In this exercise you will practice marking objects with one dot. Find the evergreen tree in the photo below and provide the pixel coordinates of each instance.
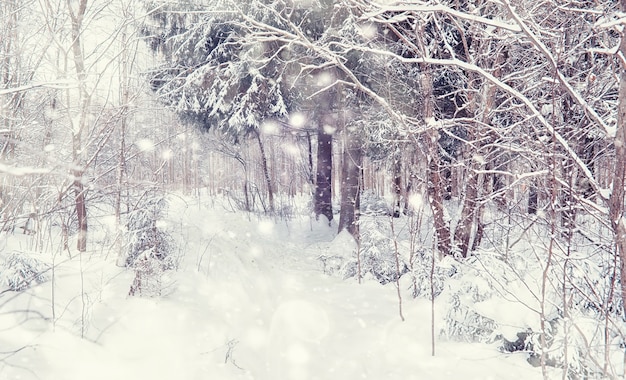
(234, 67)
(219, 72)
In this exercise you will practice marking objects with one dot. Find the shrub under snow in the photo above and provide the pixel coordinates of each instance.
(377, 253)
(493, 299)
(149, 247)
(19, 271)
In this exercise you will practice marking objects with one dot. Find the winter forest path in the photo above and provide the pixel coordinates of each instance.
(250, 300)
(282, 317)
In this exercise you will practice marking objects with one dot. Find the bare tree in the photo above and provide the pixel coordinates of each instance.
(79, 128)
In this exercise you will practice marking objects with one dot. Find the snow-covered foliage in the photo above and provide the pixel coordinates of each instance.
(216, 77)
(249, 300)
(373, 205)
(147, 239)
(20, 271)
(518, 303)
(377, 255)
(477, 103)
(150, 247)
(426, 279)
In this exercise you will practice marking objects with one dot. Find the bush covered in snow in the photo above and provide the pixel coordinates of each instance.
(420, 269)
(20, 271)
(372, 204)
(463, 293)
(147, 240)
(377, 255)
(150, 247)
(490, 298)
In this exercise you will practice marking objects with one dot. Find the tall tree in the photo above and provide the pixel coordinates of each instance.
(616, 200)
(236, 70)
(216, 76)
(79, 126)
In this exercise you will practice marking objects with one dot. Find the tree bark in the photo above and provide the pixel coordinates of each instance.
(431, 141)
(397, 186)
(309, 146)
(435, 191)
(435, 182)
(323, 174)
(120, 173)
(463, 231)
(350, 184)
(77, 131)
(266, 172)
(616, 201)
(81, 211)
(482, 94)
(533, 198)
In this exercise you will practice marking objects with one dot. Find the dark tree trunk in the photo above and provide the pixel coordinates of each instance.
(266, 172)
(78, 150)
(323, 174)
(309, 145)
(397, 186)
(411, 184)
(533, 198)
(497, 188)
(350, 185)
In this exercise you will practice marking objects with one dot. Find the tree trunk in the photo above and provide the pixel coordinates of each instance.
(435, 182)
(533, 197)
(309, 146)
(266, 172)
(431, 141)
(350, 184)
(323, 174)
(411, 183)
(463, 231)
(121, 162)
(435, 191)
(616, 201)
(78, 150)
(471, 212)
(397, 186)
(81, 211)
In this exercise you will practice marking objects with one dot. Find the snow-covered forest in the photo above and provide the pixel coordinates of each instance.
(312, 189)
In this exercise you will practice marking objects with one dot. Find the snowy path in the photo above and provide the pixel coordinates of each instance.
(250, 301)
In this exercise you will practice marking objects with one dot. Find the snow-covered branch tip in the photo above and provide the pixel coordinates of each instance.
(440, 8)
(22, 171)
(53, 85)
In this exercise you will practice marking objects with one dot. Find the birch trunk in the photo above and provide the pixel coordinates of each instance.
(78, 153)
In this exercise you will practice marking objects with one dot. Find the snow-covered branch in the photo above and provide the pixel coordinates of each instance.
(534, 111)
(60, 85)
(437, 8)
(593, 115)
(22, 171)
(297, 36)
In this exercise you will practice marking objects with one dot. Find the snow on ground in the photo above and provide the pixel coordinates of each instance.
(250, 300)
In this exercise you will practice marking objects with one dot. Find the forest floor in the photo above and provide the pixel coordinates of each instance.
(249, 300)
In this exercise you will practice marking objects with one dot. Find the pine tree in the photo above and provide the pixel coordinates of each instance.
(234, 71)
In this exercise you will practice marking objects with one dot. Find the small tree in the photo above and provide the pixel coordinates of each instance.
(150, 248)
